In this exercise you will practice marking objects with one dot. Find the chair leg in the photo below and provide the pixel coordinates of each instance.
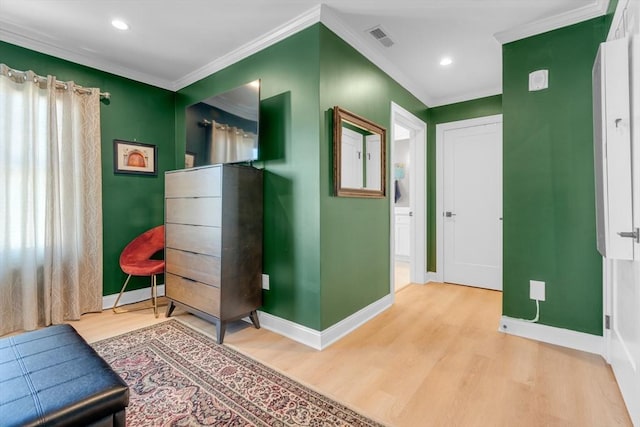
(120, 294)
(154, 297)
(154, 294)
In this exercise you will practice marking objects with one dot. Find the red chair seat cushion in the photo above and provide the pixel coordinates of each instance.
(145, 267)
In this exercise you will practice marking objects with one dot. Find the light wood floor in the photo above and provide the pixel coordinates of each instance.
(434, 359)
(402, 273)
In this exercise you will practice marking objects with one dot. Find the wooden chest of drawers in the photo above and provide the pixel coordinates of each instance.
(213, 242)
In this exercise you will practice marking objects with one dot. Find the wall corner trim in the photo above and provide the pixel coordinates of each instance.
(320, 340)
(552, 335)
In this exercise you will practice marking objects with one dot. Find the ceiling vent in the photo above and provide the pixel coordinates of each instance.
(379, 34)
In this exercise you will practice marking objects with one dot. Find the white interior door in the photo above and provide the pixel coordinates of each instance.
(622, 277)
(473, 205)
(372, 161)
(351, 159)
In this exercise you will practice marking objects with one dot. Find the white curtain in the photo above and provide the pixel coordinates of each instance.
(230, 144)
(50, 201)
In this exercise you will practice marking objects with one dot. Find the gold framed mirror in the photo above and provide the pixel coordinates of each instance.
(358, 156)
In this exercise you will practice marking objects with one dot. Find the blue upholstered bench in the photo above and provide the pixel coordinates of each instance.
(53, 377)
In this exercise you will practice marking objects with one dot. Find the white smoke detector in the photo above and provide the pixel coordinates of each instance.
(538, 80)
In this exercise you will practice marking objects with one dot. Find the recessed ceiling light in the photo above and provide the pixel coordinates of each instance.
(120, 24)
(446, 61)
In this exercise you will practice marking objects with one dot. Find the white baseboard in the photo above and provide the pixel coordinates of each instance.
(432, 276)
(302, 334)
(552, 335)
(322, 339)
(292, 330)
(130, 297)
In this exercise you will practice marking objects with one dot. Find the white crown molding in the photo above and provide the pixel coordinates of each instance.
(229, 106)
(322, 339)
(297, 24)
(332, 21)
(470, 96)
(552, 335)
(13, 37)
(593, 10)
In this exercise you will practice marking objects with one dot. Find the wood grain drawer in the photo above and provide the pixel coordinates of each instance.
(194, 238)
(195, 294)
(203, 268)
(200, 182)
(195, 211)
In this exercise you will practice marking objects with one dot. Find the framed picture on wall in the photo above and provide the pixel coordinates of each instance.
(134, 158)
(189, 160)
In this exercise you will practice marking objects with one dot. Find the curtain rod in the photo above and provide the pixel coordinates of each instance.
(59, 85)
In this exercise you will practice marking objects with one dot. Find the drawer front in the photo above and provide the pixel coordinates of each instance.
(195, 294)
(196, 211)
(194, 238)
(203, 268)
(200, 182)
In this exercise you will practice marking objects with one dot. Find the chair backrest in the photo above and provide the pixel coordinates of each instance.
(143, 246)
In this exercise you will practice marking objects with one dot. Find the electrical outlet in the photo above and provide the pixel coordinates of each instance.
(536, 290)
(265, 282)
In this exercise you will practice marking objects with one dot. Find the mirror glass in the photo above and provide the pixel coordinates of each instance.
(358, 156)
(224, 128)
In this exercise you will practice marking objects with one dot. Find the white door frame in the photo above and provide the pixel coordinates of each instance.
(417, 194)
(440, 130)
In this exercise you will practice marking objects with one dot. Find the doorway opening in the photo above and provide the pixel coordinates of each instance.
(407, 199)
(402, 204)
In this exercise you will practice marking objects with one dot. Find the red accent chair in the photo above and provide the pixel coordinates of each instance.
(135, 260)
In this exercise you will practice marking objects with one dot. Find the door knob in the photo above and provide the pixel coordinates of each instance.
(410, 213)
(449, 214)
(635, 234)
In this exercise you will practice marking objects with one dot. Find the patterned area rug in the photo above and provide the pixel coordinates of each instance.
(178, 376)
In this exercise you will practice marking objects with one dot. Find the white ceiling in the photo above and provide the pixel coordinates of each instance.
(173, 43)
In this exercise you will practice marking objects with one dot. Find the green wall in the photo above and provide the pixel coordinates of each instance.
(327, 257)
(289, 128)
(481, 107)
(355, 231)
(131, 203)
(549, 207)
